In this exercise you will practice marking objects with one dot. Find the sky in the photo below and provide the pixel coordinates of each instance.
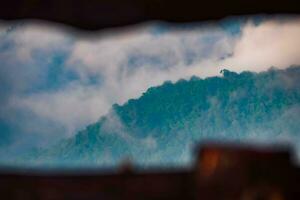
(55, 80)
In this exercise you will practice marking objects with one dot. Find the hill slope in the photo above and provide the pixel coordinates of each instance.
(162, 125)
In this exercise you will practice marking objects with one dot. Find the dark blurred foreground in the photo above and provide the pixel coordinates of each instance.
(99, 14)
(221, 172)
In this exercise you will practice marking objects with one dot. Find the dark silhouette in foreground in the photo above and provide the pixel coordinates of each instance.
(220, 172)
(100, 14)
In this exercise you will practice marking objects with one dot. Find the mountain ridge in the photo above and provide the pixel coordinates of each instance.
(165, 122)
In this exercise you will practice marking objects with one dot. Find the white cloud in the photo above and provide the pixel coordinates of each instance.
(22, 43)
(73, 107)
(272, 43)
(129, 62)
(132, 62)
(29, 37)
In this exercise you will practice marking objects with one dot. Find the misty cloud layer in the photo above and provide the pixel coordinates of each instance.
(54, 82)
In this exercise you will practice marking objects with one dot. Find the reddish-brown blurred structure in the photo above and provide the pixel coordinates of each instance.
(221, 172)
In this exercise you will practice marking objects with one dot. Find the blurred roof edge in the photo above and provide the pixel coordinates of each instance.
(99, 14)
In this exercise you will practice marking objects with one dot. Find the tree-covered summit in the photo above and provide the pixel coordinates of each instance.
(162, 126)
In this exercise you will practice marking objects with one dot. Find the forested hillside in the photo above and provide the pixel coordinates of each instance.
(163, 125)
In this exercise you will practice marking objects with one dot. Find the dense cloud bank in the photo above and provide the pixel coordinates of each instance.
(54, 82)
